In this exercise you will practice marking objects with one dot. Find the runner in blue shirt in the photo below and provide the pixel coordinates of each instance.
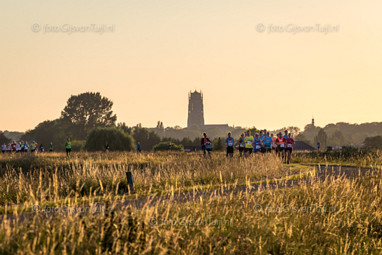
(268, 143)
(229, 145)
(262, 138)
(257, 144)
(139, 147)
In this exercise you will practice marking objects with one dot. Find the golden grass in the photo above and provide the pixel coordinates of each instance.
(335, 216)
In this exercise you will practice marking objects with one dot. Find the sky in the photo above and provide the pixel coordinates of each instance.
(267, 64)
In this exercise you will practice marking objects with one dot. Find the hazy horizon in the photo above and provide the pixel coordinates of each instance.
(231, 125)
(154, 53)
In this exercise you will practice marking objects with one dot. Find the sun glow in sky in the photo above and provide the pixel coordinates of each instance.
(244, 55)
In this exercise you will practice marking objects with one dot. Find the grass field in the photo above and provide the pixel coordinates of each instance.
(185, 204)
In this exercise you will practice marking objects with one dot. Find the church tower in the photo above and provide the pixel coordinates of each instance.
(195, 109)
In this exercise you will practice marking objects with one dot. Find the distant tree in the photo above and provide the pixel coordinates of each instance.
(124, 128)
(148, 139)
(160, 125)
(187, 141)
(116, 139)
(254, 130)
(310, 132)
(301, 137)
(321, 138)
(374, 142)
(196, 141)
(337, 139)
(78, 145)
(4, 139)
(293, 130)
(218, 144)
(309, 126)
(165, 146)
(13, 135)
(55, 131)
(87, 111)
(171, 139)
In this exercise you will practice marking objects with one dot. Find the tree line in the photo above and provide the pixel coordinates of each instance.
(88, 119)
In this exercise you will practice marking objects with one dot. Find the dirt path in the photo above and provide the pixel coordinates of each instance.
(322, 173)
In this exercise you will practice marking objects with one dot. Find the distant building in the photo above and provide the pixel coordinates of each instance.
(302, 146)
(196, 112)
(221, 126)
(195, 109)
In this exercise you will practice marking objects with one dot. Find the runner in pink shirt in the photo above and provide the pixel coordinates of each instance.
(274, 145)
(289, 147)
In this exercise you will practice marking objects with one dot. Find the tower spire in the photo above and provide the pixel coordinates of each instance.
(195, 110)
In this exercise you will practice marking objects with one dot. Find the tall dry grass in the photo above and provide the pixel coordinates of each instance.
(53, 177)
(334, 216)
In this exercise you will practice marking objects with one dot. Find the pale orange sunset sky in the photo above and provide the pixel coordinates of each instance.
(157, 51)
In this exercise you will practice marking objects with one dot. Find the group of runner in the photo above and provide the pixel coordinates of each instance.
(264, 142)
(33, 147)
(24, 147)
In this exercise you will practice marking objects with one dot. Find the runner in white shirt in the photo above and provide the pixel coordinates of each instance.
(18, 147)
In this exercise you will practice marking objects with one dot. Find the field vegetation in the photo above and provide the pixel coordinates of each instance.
(82, 205)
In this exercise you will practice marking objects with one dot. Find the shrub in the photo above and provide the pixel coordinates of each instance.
(116, 139)
(165, 146)
(218, 144)
(78, 145)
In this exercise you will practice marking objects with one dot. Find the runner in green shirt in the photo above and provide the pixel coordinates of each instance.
(68, 146)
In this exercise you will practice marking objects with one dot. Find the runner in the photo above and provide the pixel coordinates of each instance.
(22, 146)
(51, 147)
(68, 147)
(241, 145)
(107, 147)
(139, 147)
(257, 144)
(248, 140)
(229, 145)
(289, 148)
(206, 145)
(42, 149)
(280, 141)
(274, 145)
(268, 143)
(262, 138)
(13, 146)
(286, 134)
(18, 147)
(26, 147)
(9, 148)
(3, 148)
(33, 146)
(36, 146)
